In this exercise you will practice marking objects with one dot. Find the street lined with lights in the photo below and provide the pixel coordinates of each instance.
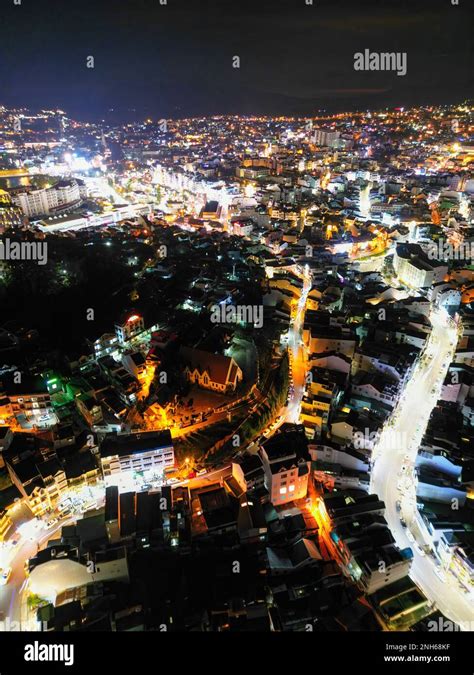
(393, 477)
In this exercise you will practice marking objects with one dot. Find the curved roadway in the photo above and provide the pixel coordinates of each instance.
(393, 478)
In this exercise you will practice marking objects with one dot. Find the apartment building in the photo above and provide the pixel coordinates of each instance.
(362, 540)
(129, 326)
(415, 269)
(29, 396)
(286, 464)
(62, 196)
(147, 452)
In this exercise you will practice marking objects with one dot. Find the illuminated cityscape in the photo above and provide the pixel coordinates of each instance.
(237, 368)
(278, 316)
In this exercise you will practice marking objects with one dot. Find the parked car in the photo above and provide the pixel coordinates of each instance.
(89, 506)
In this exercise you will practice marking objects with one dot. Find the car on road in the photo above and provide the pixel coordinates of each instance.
(398, 505)
(51, 523)
(5, 573)
(403, 522)
(419, 549)
(440, 574)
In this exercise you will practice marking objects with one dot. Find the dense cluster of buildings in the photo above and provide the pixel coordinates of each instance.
(282, 276)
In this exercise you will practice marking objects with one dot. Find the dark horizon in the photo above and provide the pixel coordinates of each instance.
(175, 60)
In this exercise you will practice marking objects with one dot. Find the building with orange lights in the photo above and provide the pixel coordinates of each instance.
(362, 540)
(211, 371)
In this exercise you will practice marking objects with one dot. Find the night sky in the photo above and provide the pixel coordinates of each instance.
(176, 60)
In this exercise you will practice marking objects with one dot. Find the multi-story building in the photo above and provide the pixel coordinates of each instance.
(128, 327)
(415, 269)
(135, 364)
(62, 196)
(10, 215)
(392, 360)
(362, 541)
(286, 464)
(327, 137)
(148, 452)
(105, 345)
(82, 469)
(329, 339)
(374, 386)
(456, 552)
(90, 409)
(42, 483)
(242, 227)
(29, 396)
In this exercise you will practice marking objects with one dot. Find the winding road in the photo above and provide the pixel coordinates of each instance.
(393, 478)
